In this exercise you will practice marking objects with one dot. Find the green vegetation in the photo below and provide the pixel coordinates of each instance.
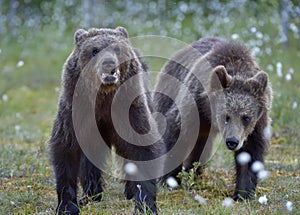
(31, 58)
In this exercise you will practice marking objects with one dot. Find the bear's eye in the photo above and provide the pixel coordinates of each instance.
(246, 120)
(117, 50)
(227, 119)
(95, 51)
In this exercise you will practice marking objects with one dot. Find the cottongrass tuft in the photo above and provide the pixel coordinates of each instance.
(267, 132)
(263, 174)
(294, 105)
(259, 35)
(263, 200)
(17, 127)
(235, 36)
(19, 116)
(20, 64)
(288, 77)
(172, 182)
(243, 158)
(200, 199)
(130, 168)
(253, 29)
(227, 202)
(5, 98)
(270, 67)
(289, 205)
(257, 166)
(279, 69)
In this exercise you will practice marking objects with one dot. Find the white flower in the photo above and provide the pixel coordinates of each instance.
(263, 174)
(200, 199)
(263, 200)
(171, 182)
(289, 205)
(243, 158)
(130, 168)
(257, 166)
(20, 64)
(227, 202)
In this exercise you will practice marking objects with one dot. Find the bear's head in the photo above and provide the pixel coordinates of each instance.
(238, 103)
(105, 55)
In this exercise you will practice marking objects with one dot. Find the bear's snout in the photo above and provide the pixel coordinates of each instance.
(109, 73)
(108, 64)
(232, 143)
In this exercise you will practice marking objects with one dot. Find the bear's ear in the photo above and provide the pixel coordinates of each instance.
(122, 31)
(262, 78)
(220, 78)
(259, 82)
(79, 35)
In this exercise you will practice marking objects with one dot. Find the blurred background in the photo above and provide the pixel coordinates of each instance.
(37, 36)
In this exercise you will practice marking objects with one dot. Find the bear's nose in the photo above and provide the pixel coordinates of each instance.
(108, 64)
(232, 143)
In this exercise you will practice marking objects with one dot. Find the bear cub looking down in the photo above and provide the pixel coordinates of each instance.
(233, 97)
(106, 60)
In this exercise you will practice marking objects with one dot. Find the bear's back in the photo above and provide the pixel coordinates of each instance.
(206, 44)
(234, 56)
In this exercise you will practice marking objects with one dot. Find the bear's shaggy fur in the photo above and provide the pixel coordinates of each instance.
(233, 97)
(107, 58)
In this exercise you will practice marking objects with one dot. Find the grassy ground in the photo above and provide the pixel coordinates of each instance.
(28, 99)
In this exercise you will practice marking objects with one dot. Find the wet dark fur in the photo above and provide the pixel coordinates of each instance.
(237, 60)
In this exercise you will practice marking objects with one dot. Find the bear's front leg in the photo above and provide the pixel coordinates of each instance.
(246, 179)
(91, 181)
(144, 194)
(65, 164)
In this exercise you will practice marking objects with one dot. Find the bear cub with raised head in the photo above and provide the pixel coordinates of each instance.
(233, 97)
(106, 60)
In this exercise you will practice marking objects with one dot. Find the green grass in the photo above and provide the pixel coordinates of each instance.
(26, 180)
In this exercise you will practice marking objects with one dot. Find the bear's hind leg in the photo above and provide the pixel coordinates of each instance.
(195, 156)
(91, 181)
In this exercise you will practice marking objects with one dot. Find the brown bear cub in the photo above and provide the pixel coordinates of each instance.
(233, 98)
(106, 61)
